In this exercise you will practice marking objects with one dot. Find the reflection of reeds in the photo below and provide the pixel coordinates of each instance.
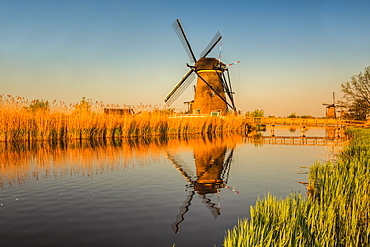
(25, 161)
(61, 122)
(336, 212)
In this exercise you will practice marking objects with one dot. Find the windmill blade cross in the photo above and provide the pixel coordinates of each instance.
(184, 40)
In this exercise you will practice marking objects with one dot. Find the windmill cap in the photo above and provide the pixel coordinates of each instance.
(207, 63)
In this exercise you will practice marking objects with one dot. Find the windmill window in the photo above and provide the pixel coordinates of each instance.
(215, 113)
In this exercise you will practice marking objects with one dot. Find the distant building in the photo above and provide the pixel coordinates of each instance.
(119, 111)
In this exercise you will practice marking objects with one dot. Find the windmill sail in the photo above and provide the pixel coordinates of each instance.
(185, 42)
(183, 210)
(211, 44)
(180, 87)
(229, 91)
(182, 168)
(215, 211)
(226, 165)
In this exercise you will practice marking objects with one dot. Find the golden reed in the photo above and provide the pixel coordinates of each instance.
(20, 120)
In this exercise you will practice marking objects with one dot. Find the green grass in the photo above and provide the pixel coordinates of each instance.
(335, 212)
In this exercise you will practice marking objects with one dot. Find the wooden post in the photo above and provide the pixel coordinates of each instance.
(303, 130)
(272, 131)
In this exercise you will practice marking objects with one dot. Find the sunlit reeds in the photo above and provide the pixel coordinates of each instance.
(86, 119)
(336, 211)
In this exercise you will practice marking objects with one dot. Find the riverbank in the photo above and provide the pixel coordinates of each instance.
(23, 121)
(335, 212)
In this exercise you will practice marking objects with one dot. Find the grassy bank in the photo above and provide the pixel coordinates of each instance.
(21, 120)
(335, 212)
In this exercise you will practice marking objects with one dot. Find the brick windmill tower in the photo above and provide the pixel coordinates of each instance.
(213, 92)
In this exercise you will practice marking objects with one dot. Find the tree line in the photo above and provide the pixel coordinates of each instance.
(357, 96)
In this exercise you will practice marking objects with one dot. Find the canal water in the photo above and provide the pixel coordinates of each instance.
(158, 192)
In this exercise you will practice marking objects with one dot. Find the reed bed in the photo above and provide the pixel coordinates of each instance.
(335, 212)
(21, 121)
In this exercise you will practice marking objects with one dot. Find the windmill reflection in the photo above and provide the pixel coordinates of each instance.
(212, 164)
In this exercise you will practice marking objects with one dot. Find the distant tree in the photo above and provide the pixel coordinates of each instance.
(357, 95)
(306, 116)
(293, 115)
(257, 113)
(357, 110)
(39, 106)
(83, 106)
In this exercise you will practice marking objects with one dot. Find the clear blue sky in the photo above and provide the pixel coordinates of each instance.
(293, 54)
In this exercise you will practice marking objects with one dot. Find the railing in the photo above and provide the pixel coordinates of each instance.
(188, 115)
(286, 140)
(303, 121)
(288, 121)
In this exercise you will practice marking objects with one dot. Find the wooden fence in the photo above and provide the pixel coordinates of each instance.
(304, 121)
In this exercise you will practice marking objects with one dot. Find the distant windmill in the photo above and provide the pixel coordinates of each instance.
(213, 92)
(331, 109)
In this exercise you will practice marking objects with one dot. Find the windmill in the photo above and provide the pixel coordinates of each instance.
(331, 109)
(212, 172)
(213, 92)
